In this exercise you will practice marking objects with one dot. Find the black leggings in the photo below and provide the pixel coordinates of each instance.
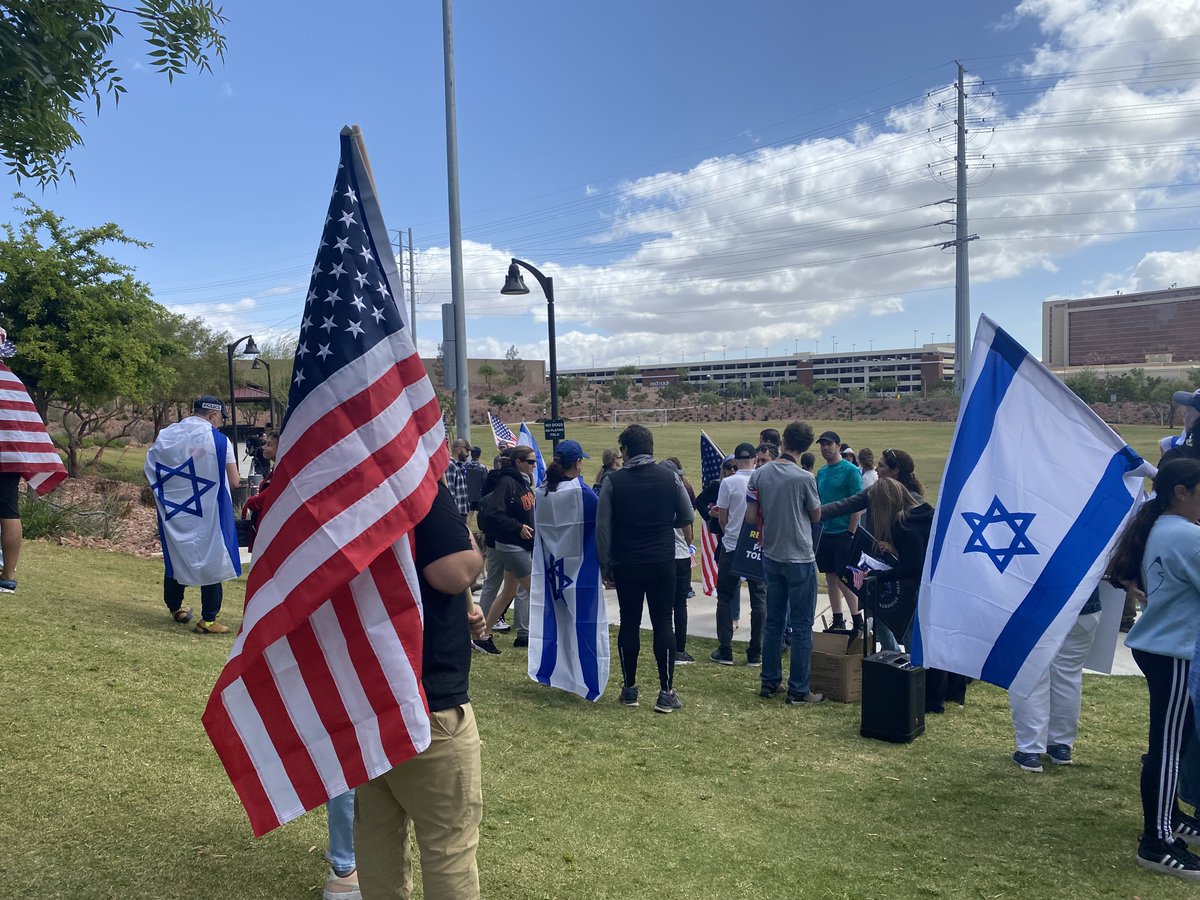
(1170, 727)
(653, 583)
(683, 584)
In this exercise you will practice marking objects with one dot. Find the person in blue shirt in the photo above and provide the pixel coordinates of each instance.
(839, 479)
(1159, 551)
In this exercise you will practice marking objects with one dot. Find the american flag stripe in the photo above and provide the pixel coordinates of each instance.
(708, 566)
(322, 689)
(710, 470)
(25, 445)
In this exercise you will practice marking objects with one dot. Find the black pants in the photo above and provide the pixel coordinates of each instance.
(653, 583)
(728, 585)
(941, 686)
(210, 598)
(683, 584)
(1170, 727)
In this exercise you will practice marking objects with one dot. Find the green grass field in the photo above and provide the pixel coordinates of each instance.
(112, 789)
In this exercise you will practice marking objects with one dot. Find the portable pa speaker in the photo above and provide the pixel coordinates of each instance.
(893, 698)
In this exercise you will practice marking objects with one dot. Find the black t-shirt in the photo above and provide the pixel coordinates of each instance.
(447, 662)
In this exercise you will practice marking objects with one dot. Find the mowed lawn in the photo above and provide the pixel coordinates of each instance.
(111, 788)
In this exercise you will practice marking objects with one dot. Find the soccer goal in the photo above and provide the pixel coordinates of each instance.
(655, 417)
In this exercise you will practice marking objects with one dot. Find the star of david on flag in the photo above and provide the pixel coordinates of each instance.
(557, 578)
(197, 484)
(1017, 523)
(1019, 541)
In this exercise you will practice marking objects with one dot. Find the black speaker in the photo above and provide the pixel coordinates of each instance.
(893, 698)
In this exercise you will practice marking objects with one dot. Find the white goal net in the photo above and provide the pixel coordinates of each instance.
(656, 417)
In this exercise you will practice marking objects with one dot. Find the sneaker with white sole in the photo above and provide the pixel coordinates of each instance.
(667, 702)
(683, 658)
(722, 656)
(1188, 829)
(487, 645)
(341, 887)
(1060, 754)
(805, 699)
(1168, 858)
(1029, 762)
(501, 626)
(629, 696)
(8, 586)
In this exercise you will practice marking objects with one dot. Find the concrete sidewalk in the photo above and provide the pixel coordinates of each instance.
(702, 620)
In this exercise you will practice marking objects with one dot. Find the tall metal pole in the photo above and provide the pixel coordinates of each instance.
(232, 400)
(962, 286)
(412, 289)
(462, 402)
(548, 284)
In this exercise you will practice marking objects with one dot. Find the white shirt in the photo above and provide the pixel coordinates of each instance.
(732, 498)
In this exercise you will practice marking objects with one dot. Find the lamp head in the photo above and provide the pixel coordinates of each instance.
(251, 348)
(514, 284)
(257, 364)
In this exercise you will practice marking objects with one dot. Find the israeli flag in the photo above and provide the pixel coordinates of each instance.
(525, 436)
(568, 625)
(186, 471)
(1035, 493)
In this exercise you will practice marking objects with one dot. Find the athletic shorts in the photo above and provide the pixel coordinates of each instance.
(519, 562)
(833, 553)
(9, 482)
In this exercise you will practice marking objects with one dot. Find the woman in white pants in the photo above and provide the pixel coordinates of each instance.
(1046, 719)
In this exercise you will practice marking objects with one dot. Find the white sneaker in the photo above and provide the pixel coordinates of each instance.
(344, 888)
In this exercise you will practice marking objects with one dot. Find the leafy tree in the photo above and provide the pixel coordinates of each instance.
(671, 393)
(566, 386)
(54, 58)
(88, 333)
(437, 370)
(514, 368)
(499, 400)
(619, 387)
(487, 371)
(825, 386)
(628, 370)
(196, 367)
(883, 386)
(709, 398)
(1088, 386)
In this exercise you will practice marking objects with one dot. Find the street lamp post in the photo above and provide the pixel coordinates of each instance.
(251, 349)
(260, 363)
(514, 285)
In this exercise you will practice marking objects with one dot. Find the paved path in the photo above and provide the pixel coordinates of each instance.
(702, 620)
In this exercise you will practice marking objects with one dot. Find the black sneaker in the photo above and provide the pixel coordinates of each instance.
(1169, 859)
(753, 659)
(805, 699)
(683, 658)
(1029, 762)
(628, 696)
(521, 640)
(767, 691)
(722, 656)
(1060, 755)
(1187, 828)
(691, 593)
(501, 626)
(8, 586)
(838, 623)
(667, 702)
(488, 645)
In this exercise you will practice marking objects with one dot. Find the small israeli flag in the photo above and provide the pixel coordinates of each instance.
(568, 625)
(525, 436)
(1036, 491)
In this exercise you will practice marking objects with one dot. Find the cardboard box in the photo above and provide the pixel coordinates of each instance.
(837, 666)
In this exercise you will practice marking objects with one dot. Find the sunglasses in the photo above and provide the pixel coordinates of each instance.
(527, 459)
(728, 468)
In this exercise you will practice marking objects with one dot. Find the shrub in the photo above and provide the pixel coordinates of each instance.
(43, 518)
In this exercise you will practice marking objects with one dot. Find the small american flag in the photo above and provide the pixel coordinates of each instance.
(710, 470)
(322, 690)
(25, 446)
(501, 432)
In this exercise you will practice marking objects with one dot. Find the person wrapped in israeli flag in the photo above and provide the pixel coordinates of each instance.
(1021, 534)
(568, 625)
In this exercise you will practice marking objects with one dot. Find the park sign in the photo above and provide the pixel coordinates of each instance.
(554, 429)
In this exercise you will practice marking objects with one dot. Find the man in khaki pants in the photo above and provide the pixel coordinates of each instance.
(440, 790)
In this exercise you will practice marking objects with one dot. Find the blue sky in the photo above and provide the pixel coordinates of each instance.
(698, 181)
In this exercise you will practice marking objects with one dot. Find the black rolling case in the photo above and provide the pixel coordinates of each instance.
(893, 698)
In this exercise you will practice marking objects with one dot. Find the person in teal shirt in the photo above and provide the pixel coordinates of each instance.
(838, 480)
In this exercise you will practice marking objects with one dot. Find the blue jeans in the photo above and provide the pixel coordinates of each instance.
(340, 812)
(791, 593)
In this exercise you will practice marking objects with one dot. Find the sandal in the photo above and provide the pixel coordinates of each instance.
(182, 615)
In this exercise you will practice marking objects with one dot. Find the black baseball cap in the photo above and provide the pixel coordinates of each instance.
(744, 451)
(830, 436)
(209, 403)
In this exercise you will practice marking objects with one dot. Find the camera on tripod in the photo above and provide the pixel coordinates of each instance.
(259, 464)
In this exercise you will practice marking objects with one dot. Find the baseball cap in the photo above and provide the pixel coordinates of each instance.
(570, 451)
(848, 450)
(830, 436)
(208, 403)
(744, 451)
(1187, 398)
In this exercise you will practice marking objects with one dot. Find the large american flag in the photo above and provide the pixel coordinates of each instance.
(710, 470)
(25, 447)
(322, 690)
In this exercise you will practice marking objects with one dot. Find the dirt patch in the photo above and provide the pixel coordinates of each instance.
(135, 525)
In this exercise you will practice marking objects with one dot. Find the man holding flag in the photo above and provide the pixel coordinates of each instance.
(350, 670)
